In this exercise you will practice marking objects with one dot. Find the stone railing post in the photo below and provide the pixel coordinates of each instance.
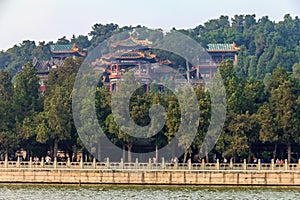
(68, 162)
(136, 163)
(81, 163)
(94, 163)
(18, 162)
(272, 164)
(286, 164)
(231, 163)
(189, 164)
(122, 163)
(55, 162)
(259, 165)
(6, 161)
(30, 162)
(298, 164)
(42, 162)
(163, 162)
(203, 164)
(176, 164)
(149, 163)
(107, 163)
(245, 164)
(218, 164)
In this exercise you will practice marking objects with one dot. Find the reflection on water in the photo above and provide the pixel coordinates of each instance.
(61, 192)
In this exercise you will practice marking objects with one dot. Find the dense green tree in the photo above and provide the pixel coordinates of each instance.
(82, 42)
(173, 118)
(279, 116)
(244, 129)
(6, 106)
(27, 103)
(102, 32)
(42, 51)
(296, 71)
(204, 103)
(7, 122)
(103, 110)
(243, 62)
(257, 112)
(58, 111)
(269, 129)
(279, 76)
(124, 134)
(26, 99)
(284, 105)
(160, 139)
(253, 96)
(58, 104)
(63, 40)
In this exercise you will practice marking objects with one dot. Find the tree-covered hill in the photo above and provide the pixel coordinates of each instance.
(264, 44)
(262, 95)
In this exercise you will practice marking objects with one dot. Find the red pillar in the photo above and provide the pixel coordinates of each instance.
(147, 69)
(147, 88)
(110, 84)
(139, 69)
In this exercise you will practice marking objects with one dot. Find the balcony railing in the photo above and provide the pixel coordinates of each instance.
(149, 165)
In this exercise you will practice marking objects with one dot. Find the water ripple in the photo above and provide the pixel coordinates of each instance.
(113, 192)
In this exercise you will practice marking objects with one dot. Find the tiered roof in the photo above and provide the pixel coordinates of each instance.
(222, 48)
(131, 42)
(66, 49)
(61, 48)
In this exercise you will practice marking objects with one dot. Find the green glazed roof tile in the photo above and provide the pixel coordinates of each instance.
(61, 47)
(220, 47)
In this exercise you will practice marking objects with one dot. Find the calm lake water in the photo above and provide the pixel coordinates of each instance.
(62, 192)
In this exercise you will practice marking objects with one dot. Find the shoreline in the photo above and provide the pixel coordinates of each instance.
(143, 186)
(139, 173)
(219, 178)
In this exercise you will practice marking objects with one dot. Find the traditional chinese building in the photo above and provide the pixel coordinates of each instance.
(58, 54)
(62, 51)
(136, 57)
(217, 53)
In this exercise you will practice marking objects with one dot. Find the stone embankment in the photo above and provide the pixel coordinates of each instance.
(264, 174)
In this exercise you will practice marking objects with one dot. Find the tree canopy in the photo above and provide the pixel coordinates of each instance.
(263, 103)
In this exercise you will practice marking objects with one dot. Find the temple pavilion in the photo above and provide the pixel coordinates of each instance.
(136, 56)
(59, 52)
(217, 53)
(62, 51)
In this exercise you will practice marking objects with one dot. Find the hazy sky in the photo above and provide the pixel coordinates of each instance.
(42, 20)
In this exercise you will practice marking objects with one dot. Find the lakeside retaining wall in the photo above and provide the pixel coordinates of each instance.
(244, 174)
(166, 177)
